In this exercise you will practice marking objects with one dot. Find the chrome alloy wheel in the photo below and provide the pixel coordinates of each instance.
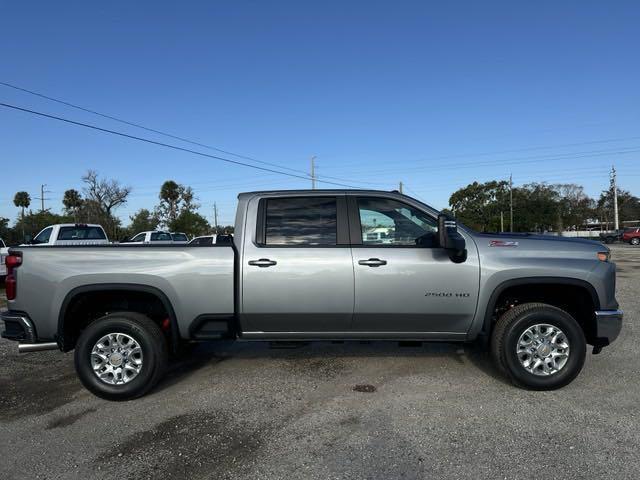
(543, 349)
(116, 358)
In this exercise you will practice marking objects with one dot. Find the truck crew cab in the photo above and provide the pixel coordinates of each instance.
(303, 266)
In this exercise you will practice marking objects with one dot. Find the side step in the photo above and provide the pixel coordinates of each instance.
(36, 347)
(287, 345)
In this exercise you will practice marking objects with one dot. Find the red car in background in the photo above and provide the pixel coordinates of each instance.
(632, 236)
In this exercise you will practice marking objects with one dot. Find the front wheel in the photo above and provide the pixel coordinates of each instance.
(538, 346)
(121, 356)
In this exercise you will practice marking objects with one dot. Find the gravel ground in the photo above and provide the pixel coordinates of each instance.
(330, 411)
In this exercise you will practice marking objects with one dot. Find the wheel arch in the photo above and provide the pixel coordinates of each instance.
(77, 293)
(538, 282)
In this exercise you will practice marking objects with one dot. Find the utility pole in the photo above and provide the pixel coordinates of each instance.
(313, 172)
(511, 202)
(501, 221)
(215, 216)
(400, 187)
(42, 197)
(615, 198)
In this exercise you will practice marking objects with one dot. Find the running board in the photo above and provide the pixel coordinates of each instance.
(36, 347)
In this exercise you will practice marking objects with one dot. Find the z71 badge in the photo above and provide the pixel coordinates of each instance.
(503, 243)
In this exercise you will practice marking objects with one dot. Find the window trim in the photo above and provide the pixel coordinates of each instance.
(342, 222)
(356, 227)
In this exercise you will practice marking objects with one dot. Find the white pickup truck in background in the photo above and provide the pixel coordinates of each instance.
(4, 251)
(155, 237)
(70, 234)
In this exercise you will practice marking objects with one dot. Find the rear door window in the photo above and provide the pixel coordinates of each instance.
(161, 237)
(301, 221)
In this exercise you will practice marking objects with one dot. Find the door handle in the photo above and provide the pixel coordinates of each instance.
(372, 262)
(263, 263)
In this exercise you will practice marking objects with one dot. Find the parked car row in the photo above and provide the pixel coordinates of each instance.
(93, 234)
(629, 235)
(157, 237)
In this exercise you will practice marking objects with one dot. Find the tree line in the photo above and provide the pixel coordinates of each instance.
(176, 211)
(537, 207)
(485, 207)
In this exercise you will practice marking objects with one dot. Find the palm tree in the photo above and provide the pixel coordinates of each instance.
(170, 194)
(72, 201)
(22, 200)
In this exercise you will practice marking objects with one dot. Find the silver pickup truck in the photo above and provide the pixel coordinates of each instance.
(317, 265)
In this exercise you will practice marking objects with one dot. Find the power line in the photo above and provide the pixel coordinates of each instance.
(166, 145)
(517, 150)
(149, 129)
(513, 161)
(42, 197)
(160, 132)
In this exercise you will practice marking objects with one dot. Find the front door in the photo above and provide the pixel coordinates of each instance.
(297, 272)
(403, 287)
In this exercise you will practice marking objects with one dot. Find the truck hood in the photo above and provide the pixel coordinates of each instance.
(525, 239)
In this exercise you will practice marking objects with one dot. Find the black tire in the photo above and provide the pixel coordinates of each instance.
(154, 354)
(513, 324)
(635, 241)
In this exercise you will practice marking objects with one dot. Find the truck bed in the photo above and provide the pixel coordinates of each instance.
(195, 280)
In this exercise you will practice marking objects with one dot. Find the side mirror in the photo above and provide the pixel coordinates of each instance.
(450, 239)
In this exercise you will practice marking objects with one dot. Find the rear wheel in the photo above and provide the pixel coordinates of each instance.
(121, 356)
(538, 346)
(635, 241)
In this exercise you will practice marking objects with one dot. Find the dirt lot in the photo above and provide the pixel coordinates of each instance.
(247, 411)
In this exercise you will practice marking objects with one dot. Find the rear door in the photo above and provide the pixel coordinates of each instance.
(297, 272)
(403, 287)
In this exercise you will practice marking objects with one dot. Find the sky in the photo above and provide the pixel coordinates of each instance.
(434, 94)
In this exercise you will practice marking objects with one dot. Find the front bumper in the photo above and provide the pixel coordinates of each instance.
(608, 326)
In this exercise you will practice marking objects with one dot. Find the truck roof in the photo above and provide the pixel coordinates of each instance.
(321, 191)
(74, 225)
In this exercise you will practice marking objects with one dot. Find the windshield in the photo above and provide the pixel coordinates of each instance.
(43, 236)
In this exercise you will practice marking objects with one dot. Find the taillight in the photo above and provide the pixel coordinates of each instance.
(12, 262)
